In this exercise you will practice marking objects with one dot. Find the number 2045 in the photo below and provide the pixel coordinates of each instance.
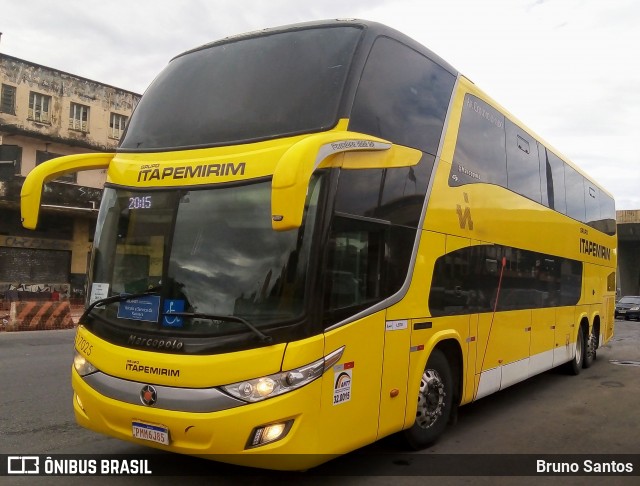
(140, 202)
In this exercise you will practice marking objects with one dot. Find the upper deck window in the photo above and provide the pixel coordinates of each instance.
(248, 89)
(480, 154)
(403, 97)
(487, 139)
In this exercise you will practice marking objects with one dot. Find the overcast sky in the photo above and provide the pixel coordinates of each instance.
(569, 69)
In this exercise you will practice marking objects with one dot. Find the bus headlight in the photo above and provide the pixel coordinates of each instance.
(273, 385)
(82, 366)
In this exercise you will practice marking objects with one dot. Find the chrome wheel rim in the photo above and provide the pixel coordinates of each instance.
(430, 399)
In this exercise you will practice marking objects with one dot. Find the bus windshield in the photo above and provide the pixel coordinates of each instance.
(245, 89)
(206, 251)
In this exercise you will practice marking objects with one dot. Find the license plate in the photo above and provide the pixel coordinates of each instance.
(150, 432)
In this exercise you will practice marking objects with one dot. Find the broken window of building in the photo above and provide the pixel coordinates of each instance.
(79, 117)
(39, 107)
(116, 124)
(8, 99)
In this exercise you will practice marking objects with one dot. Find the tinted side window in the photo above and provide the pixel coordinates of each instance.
(523, 165)
(544, 179)
(600, 208)
(592, 203)
(466, 281)
(372, 234)
(355, 263)
(607, 222)
(402, 97)
(575, 193)
(480, 149)
(367, 261)
(555, 182)
(395, 195)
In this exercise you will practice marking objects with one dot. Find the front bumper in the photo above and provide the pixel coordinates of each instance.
(627, 314)
(221, 435)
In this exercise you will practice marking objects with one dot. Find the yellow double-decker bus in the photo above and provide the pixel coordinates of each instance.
(324, 228)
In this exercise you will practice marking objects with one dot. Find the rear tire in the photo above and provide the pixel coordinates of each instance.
(435, 402)
(590, 349)
(575, 365)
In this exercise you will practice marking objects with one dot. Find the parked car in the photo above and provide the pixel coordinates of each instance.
(628, 307)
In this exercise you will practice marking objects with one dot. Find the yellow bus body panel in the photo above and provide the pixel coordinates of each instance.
(324, 425)
(221, 435)
(195, 371)
(347, 423)
(372, 391)
(199, 166)
(523, 342)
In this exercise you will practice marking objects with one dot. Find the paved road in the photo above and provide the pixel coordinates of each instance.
(597, 412)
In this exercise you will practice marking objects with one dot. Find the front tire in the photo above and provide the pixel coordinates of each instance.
(435, 402)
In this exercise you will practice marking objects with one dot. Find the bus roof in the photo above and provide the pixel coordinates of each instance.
(371, 31)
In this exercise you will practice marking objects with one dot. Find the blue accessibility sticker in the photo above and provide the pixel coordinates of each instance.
(170, 306)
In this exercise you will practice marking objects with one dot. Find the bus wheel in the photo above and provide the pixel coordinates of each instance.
(590, 349)
(435, 400)
(575, 365)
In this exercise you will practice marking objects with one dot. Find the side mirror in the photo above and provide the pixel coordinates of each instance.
(295, 167)
(32, 188)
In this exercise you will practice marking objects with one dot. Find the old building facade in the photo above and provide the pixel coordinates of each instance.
(46, 113)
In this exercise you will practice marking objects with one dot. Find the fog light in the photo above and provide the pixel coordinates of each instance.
(272, 432)
(79, 403)
(266, 434)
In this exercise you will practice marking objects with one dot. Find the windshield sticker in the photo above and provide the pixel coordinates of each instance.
(170, 306)
(142, 309)
(342, 379)
(98, 291)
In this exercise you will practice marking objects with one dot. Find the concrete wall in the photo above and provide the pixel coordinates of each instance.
(56, 135)
(628, 252)
(629, 267)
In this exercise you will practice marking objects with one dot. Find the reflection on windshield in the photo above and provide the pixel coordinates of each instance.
(273, 74)
(226, 259)
(212, 250)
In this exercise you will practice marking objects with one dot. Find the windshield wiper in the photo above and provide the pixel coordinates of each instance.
(117, 298)
(263, 337)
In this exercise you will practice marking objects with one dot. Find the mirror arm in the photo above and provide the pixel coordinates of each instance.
(31, 192)
(294, 169)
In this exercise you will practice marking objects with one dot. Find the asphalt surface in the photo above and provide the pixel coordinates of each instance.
(596, 413)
